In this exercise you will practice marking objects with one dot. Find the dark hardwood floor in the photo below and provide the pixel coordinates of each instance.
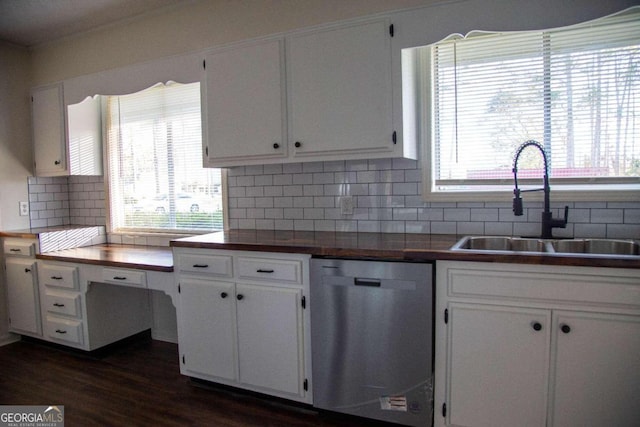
(138, 384)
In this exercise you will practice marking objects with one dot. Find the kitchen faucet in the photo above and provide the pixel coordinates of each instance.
(548, 222)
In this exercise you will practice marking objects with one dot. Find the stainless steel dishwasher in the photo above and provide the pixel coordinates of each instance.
(371, 337)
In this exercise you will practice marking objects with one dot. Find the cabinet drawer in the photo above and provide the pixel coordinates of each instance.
(20, 248)
(124, 277)
(210, 264)
(62, 304)
(272, 270)
(59, 276)
(64, 330)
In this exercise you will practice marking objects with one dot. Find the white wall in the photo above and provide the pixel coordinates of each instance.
(15, 135)
(192, 27)
(15, 148)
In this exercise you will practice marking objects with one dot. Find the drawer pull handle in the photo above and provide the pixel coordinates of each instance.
(200, 265)
(375, 283)
(57, 304)
(60, 331)
(263, 270)
(119, 278)
(27, 270)
(15, 250)
(56, 278)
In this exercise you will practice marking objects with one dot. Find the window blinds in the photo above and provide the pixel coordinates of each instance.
(576, 90)
(157, 181)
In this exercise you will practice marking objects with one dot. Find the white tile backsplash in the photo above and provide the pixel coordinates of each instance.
(305, 196)
(77, 200)
(386, 196)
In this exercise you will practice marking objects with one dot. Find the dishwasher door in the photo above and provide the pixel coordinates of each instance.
(371, 337)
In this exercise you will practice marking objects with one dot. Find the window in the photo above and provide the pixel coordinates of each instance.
(576, 90)
(156, 178)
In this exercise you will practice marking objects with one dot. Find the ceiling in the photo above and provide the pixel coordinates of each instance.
(33, 22)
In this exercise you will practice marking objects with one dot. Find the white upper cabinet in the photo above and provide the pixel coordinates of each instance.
(245, 104)
(322, 94)
(340, 92)
(47, 115)
(65, 144)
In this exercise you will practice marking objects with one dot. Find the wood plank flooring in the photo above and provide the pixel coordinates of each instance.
(139, 384)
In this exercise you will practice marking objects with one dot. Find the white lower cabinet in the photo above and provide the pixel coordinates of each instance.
(207, 334)
(536, 345)
(270, 337)
(497, 361)
(248, 333)
(22, 296)
(80, 310)
(596, 375)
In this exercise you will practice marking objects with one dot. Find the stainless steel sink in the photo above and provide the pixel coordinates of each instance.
(597, 246)
(500, 244)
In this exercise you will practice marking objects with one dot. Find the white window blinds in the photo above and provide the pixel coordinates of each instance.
(156, 178)
(576, 90)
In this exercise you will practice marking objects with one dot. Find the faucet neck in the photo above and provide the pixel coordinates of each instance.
(545, 180)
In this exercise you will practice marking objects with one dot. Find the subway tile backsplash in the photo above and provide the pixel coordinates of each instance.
(306, 196)
(386, 198)
(77, 200)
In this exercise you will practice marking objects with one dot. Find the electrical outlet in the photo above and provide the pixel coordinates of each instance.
(24, 208)
(346, 205)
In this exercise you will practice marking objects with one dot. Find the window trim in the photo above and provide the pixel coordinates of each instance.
(427, 140)
(150, 232)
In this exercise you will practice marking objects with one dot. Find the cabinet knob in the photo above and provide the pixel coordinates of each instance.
(276, 145)
(537, 326)
(298, 144)
(57, 162)
(565, 328)
(239, 297)
(223, 295)
(27, 270)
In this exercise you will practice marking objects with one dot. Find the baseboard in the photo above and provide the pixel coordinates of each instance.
(164, 336)
(9, 338)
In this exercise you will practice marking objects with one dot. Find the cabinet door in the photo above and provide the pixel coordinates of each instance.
(22, 295)
(245, 104)
(596, 374)
(47, 117)
(497, 366)
(270, 338)
(207, 328)
(340, 91)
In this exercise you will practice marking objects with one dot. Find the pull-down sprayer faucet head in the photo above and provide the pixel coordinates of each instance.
(517, 203)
